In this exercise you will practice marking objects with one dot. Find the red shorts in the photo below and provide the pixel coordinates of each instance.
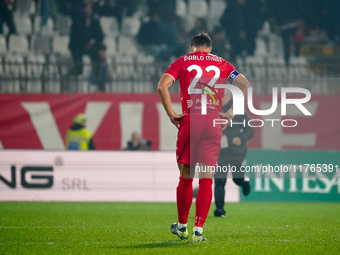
(198, 140)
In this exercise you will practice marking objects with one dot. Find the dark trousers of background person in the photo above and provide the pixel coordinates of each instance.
(8, 19)
(45, 10)
(287, 38)
(220, 179)
(99, 74)
(77, 56)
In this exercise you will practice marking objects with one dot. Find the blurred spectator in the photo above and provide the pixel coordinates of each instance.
(320, 20)
(79, 13)
(6, 16)
(200, 26)
(104, 7)
(313, 13)
(288, 16)
(240, 22)
(219, 47)
(164, 8)
(159, 38)
(99, 75)
(45, 10)
(137, 143)
(100, 7)
(261, 7)
(125, 8)
(78, 137)
(330, 13)
(86, 33)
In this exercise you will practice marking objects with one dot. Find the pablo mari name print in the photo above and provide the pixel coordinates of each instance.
(208, 57)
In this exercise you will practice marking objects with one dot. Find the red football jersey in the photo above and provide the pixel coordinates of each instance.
(198, 73)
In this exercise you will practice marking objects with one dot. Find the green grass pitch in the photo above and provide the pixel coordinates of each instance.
(143, 228)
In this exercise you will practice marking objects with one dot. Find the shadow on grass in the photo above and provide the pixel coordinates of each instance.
(165, 244)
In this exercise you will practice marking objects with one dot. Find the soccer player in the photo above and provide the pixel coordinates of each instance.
(198, 141)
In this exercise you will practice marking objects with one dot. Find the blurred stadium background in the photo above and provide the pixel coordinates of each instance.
(124, 48)
(35, 55)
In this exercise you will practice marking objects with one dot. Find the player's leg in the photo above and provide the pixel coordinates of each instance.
(184, 189)
(239, 177)
(208, 149)
(184, 194)
(203, 200)
(220, 180)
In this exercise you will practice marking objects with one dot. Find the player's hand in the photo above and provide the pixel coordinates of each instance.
(228, 117)
(177, 118)
(237, 141)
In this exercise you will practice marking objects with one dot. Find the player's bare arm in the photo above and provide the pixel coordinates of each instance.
(163, 90)
(242, 83)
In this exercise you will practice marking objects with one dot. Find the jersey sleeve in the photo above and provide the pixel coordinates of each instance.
(173, 70)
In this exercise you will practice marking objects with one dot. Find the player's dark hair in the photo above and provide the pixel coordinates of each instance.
(201, 39)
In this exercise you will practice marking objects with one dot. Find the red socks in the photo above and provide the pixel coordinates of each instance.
(184, 199)
(203, 201)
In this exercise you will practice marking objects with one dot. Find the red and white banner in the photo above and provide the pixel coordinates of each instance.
(40, 121)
